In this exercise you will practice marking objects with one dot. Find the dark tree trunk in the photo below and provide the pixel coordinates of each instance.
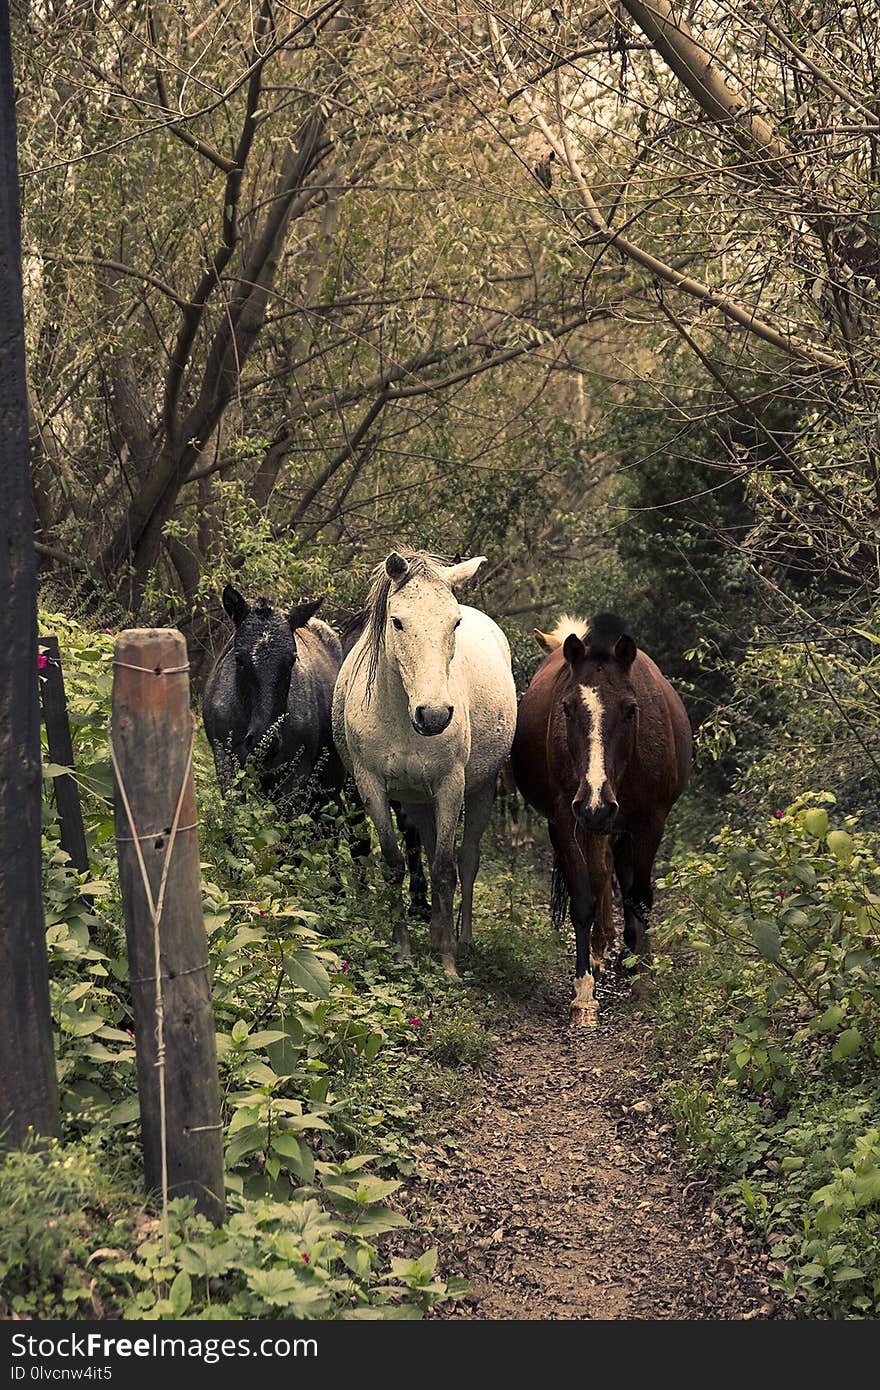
(28, 1086)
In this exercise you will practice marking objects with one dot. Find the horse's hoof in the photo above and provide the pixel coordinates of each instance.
(583, 1016)
(584, 1012)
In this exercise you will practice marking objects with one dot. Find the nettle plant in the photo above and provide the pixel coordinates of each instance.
(791, 915)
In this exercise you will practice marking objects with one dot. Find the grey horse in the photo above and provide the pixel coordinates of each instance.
(268, 697)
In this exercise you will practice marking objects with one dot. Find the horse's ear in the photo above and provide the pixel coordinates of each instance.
(395, 566)
(573, 649)
(301, 612)
(464, 570)
(546, 641)
(625, 650)
(236, 604)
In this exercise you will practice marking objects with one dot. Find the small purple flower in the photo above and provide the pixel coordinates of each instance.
(415, 1023)
(343, 965)
(782, 893)
(778, 815)
(306, 1258)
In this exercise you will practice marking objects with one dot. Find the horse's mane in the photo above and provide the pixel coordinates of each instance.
(603, 632)
(599, 632)
(566, 625)
(419, 563)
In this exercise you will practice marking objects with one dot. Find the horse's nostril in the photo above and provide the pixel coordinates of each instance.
(432, 719)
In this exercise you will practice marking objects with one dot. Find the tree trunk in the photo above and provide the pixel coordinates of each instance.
(28, 1086)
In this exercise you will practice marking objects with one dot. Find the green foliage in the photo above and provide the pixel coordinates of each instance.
(798, 712)
(767, 1020)
(337, 1062)
(55, 1207)
(308, 998)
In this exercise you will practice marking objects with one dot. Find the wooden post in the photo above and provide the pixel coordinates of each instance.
(28, 1083)
(152, 732)
(73, 835)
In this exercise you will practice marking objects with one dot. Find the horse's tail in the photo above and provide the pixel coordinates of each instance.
(559, 899)
(508, 781)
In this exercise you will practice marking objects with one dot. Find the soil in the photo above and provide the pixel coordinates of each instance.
(568, 1197)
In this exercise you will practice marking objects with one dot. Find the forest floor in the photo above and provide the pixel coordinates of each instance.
(566, 1196)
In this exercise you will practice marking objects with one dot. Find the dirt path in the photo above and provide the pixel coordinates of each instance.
(569, 1199)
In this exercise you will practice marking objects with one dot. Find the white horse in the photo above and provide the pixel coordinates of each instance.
(424, 713)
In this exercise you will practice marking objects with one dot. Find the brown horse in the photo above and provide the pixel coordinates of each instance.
(603, 750)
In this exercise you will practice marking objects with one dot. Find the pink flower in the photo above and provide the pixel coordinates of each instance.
(782, 892)
(307, 1259)
(415, 1023)
(343, 965)
(261, 911)
(778, 815)
(42, 661)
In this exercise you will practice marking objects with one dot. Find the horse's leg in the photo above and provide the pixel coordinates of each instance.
(634, 856)
(572, 864)
(448, 800)
(477, 814)
(375, 799)
(358, 827)
(418, 884)
(602, 879)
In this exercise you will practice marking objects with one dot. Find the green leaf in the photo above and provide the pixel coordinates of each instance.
(816, 822)
(297, 1156)
(247, 1141)
(767, 939)
(841, 845)
(832, 1017)
(305, 970)
(124, 1113)
(847, 1272)
(376, 1220)
(287, 1145)
(849, 1042)
(180, 1294)
(259, 1041)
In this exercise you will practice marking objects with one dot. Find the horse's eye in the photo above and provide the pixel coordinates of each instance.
(396, 623)
(566, 708)
(631, 712)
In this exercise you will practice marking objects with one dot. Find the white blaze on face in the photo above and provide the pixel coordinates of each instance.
(596, 765)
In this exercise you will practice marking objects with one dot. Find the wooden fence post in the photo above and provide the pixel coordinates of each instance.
(73, 835)
(152, 731)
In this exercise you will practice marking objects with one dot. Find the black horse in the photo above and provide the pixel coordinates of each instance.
(268, 697)
(418, 884)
